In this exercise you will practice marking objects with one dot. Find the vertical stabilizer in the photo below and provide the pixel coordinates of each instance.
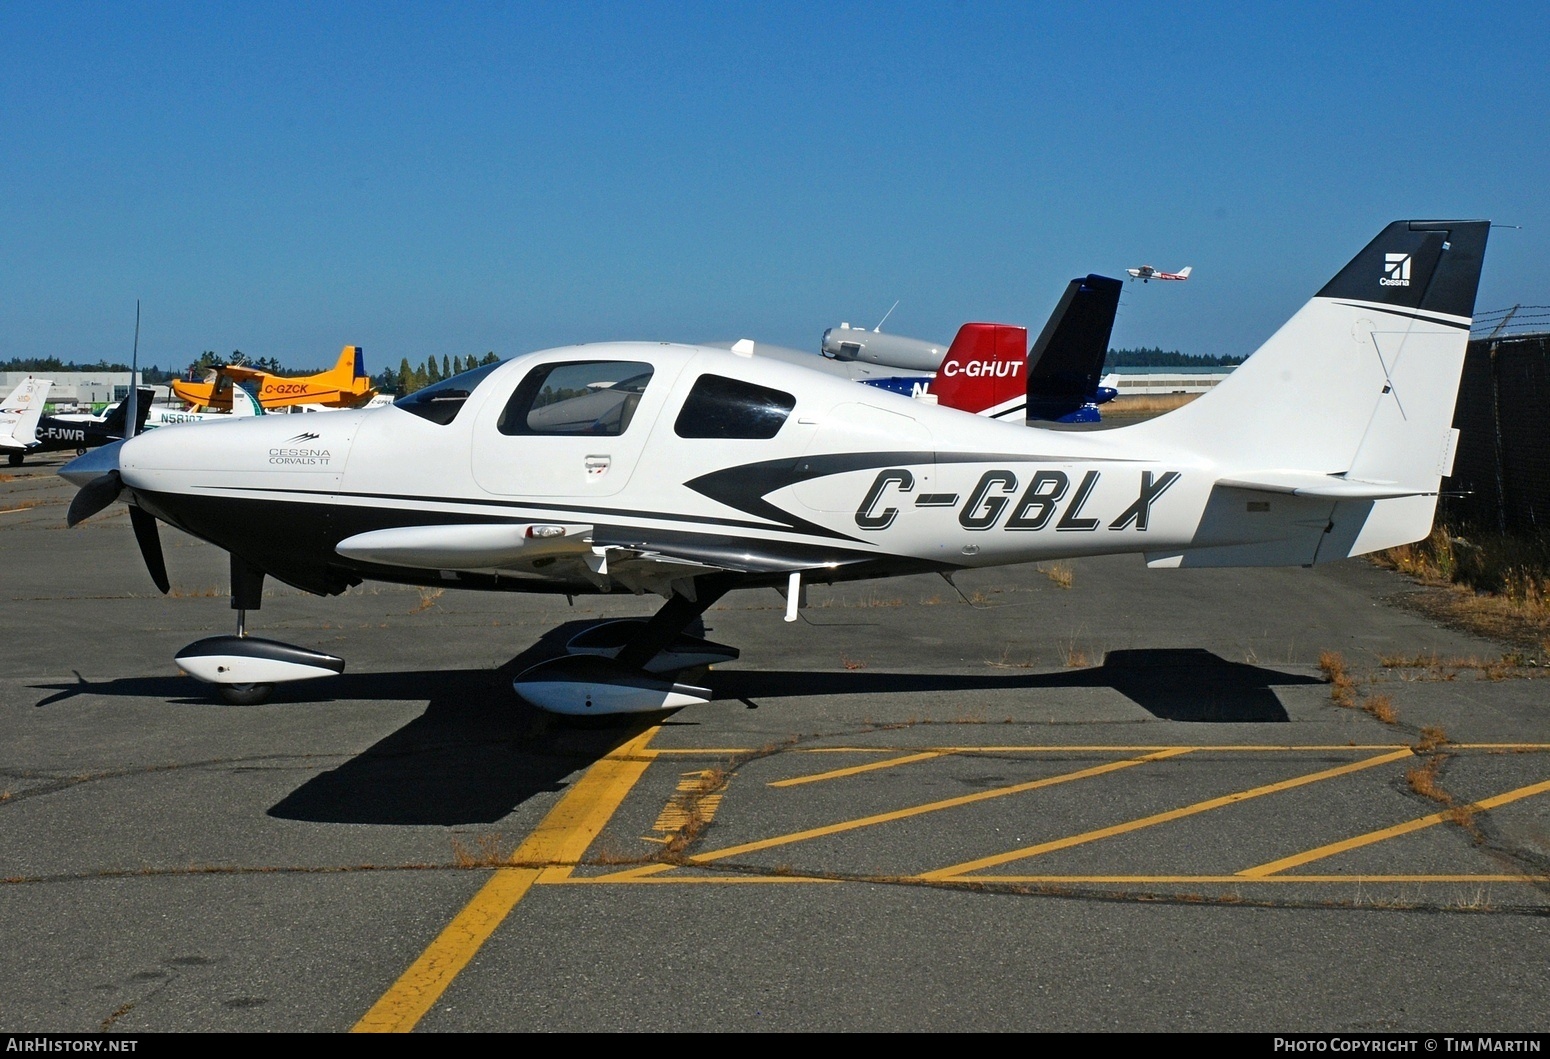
(1066, 361)
(20, 412)
(244, 402)
(983, 370)
(1351, 402)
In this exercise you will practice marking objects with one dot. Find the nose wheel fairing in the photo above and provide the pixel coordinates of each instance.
(234, 659)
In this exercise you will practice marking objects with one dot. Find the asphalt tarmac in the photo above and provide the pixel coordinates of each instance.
(1081, 796)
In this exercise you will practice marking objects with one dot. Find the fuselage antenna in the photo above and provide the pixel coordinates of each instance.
(886, 315)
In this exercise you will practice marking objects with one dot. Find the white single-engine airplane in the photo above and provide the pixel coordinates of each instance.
(1147, 272)
(688, 472)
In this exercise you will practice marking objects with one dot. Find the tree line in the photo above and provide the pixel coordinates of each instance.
(406, 379)
(1158, 358)
(54, 366)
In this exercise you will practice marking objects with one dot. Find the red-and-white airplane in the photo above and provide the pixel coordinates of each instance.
(1147, 272)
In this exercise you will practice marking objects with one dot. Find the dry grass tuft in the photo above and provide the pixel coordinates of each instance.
(852, 663)
(1434, 667)
(485, 853)
(1076, 658)
(1381, 707)
(1425, 780)
(428, 598)
(119, 1012)
(207, 592)
(1497, 585)
(1147, 402)
(1422, 779)
(1342, 689)
(1344, 692)
(1005, 661)
(1432, 737)
(1060, 573)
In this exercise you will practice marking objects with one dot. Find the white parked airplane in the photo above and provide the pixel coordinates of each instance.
(19, 415)
(688, 472)
(1147, 272)
(243, 404)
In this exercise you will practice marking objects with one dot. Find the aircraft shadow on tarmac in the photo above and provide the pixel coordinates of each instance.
(1186, 684)
(477, 751)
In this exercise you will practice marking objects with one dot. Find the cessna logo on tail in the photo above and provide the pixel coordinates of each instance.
(1396, 270)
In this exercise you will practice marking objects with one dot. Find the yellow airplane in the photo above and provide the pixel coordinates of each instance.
(345, 385)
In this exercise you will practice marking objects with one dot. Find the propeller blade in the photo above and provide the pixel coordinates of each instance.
(149, 539)
(93, 497)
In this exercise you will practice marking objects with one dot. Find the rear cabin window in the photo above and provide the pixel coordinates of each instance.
(719, 407)
(440, 402)
(583, 397)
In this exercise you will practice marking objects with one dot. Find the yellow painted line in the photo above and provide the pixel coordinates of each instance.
(552, 850)
(1157, 880)
(1096, 748)
(1117, 748)
(908, 759)
(1390, 832)
(1159, 818)
(737, 879)
(1494, 746)
(1115, 880)
(897, 814)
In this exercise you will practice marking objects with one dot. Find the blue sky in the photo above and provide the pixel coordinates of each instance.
(286, 179)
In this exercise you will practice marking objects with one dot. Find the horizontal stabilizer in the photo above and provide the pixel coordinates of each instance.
(1322, 486)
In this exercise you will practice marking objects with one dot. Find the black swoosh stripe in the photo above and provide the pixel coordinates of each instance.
(745, 487)
(1409, 316)
(521, 505)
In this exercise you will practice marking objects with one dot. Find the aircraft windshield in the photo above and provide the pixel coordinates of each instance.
(440, 402)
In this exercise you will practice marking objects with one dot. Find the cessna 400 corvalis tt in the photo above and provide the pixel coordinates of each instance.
(688, 472)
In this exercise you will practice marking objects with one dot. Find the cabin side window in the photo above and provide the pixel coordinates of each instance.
(719, 407)
(582, 397)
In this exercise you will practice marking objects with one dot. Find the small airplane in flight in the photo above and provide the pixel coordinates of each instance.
(345, 385)
(1146, 273)
(689, 472)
